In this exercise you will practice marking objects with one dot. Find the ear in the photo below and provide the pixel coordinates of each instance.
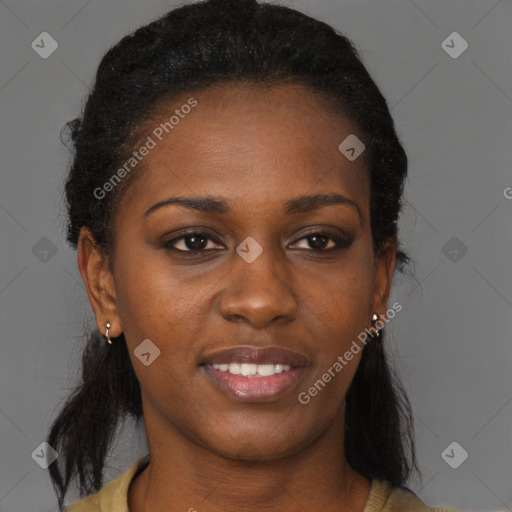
(99, 283)
(385, 268)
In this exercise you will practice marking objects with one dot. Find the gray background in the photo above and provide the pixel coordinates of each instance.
(451, 342)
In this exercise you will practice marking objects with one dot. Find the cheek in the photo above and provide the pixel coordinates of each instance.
(340, 295)
(159, 302)
(151, 296)
(154, 306)
(340, 313)
(339, 304)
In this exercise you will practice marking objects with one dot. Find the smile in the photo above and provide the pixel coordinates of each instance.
(252, 370)
(254, 382)
(254, 374)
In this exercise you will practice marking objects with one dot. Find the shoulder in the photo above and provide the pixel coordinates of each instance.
(112, 497)
(383, 498)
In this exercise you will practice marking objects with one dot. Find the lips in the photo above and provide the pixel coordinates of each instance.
(256, 355)
(254, 374)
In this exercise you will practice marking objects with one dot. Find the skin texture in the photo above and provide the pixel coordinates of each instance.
(256, 148)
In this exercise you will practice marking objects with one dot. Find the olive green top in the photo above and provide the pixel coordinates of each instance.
(113, 497)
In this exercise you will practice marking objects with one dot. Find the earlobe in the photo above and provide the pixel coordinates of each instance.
(99, 283)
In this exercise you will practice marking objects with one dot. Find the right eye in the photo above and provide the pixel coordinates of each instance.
(194, 242)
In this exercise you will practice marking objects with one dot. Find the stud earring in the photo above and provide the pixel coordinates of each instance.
(106, 333)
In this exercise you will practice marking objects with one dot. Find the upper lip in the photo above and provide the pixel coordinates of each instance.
(256, 355)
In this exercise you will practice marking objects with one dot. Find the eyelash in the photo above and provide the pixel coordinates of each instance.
(342, 242)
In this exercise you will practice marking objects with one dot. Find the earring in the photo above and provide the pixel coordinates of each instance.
(374, 320)
(106, 333)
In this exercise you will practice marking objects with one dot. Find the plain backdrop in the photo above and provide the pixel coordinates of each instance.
(451, 342)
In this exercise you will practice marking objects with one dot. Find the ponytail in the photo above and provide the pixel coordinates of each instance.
(85, 427)
(379, 427)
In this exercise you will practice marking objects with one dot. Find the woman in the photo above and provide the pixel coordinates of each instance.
(234, 198)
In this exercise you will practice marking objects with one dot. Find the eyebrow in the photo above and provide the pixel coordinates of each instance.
(295, 205)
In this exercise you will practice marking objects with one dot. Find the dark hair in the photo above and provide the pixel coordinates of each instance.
(190, 48)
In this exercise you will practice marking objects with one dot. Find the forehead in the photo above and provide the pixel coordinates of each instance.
(247, 141)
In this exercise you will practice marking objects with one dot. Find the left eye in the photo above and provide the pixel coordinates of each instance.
(197, 241)
(318, 240)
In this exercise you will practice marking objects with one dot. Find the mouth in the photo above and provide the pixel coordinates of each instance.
(254, 374)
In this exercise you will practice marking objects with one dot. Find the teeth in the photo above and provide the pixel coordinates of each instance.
(265, 370)
(250, 370)
(233, 368)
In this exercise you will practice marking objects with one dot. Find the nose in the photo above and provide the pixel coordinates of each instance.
(260, 292)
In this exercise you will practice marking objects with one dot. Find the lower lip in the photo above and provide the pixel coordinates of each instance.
(254, 389)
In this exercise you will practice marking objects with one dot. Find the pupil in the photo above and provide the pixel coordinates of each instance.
(322, 239)
(194, 245)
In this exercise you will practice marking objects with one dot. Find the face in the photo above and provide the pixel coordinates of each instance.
(259, 266)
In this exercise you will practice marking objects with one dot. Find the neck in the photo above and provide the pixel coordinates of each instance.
(183, 476)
